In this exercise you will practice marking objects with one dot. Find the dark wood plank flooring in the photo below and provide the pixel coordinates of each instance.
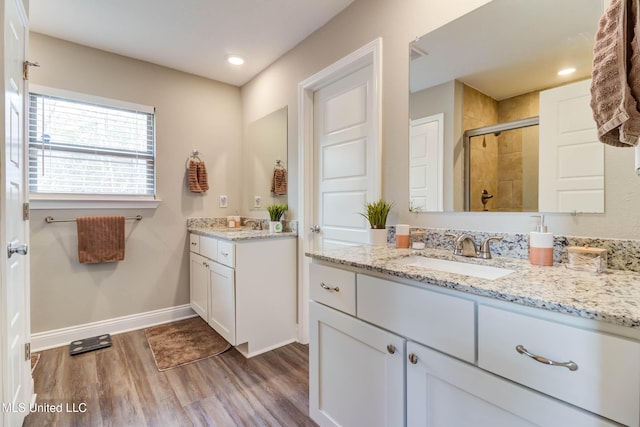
(121, 386)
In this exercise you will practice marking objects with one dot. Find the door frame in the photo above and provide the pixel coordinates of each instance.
(371, 53)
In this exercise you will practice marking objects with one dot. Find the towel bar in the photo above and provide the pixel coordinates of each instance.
(50, 219)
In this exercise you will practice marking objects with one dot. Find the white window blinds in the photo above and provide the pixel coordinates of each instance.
(78, 147)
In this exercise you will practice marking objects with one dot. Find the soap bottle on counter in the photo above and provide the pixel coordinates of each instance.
(541, 244)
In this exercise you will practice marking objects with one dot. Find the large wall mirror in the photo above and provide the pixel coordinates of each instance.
(499, 111)
(267, 161)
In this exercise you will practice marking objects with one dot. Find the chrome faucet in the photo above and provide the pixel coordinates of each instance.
(465, 246)
(485, 249)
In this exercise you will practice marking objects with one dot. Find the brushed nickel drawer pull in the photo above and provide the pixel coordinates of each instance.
(570, 365)
(329, 288)
(391, 348)
(413, 358)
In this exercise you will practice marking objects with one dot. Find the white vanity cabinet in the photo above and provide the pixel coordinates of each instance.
(356, 377)
(440, 382)
(246, 290)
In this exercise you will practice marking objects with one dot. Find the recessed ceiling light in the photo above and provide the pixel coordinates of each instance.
(566, 71)
(235, 59)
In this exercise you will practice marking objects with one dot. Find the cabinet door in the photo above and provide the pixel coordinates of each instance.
(199, 285)
(222, 303)
(356, 371)
(445, 392)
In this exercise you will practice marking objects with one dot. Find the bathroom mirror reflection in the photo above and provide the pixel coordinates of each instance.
(267, 174)
(499, 64)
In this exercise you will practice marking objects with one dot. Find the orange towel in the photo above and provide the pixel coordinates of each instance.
(279, 182)
(197, 177)
(203, 180)
(192, 176)
(100, 238)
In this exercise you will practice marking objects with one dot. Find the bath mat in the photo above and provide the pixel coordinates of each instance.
(186, 341)
(89, 344)
(35, 358)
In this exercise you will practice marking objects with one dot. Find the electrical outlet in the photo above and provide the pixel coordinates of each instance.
(223, 201)
(257, 201)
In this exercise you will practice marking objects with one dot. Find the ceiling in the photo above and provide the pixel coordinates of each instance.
(509, 47)
(194, 36)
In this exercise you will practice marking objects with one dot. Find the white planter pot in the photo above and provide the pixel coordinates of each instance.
(275, 227)
(377, 236)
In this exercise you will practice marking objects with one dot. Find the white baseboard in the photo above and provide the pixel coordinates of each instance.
(59, 337)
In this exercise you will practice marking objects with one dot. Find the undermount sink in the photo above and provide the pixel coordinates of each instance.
(467, 269)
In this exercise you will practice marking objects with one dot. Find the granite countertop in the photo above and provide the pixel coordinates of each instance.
(235, 234)
(612, 296)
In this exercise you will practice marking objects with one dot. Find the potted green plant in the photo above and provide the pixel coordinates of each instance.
(376, 213)
(276, 211)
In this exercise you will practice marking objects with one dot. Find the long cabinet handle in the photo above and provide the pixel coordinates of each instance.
(329, 288)
(570, 365)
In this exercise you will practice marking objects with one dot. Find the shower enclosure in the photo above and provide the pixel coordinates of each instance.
(501, 167)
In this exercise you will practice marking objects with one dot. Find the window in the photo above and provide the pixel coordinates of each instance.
(81, 146)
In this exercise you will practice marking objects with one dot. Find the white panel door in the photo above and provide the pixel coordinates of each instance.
(344, 153)
(356, 371)
(426, 159)
(199, 285)
(571, 175)
(17, 384)
(222, 305)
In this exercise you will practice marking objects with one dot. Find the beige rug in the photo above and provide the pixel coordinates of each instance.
(186, 341)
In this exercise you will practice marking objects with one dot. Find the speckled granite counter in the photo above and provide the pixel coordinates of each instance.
(215, 227)
(242, 233)
(612, 296)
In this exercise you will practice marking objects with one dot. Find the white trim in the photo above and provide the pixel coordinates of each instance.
(60, 337)
(371, 53)
(40, 201)
(85, 97)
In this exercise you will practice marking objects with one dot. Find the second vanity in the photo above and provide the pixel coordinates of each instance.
(243, 283)
(394, 342)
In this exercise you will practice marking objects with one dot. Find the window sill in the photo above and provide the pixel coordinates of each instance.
(92, 202)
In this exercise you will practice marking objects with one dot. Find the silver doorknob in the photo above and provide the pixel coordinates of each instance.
(20, 249)
(314, 229)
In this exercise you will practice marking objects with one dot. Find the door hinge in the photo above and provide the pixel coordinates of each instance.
(27, 351)
(25, 211)
(25, 68)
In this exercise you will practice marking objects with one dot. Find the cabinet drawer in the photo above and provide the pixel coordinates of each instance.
(333, 287)
(440, 321)
(194, 243)
(209, 247)
(607, 378)
(226, 253)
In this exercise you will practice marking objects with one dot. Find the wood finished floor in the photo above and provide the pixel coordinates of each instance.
(121, 386)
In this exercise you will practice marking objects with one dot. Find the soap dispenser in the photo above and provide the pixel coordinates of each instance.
(541, 244)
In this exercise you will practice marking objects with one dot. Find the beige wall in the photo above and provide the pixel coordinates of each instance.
(398, 23)
(191, 112)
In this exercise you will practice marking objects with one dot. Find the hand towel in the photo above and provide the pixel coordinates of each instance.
(192, 177)
(279, 182)
(100, 238)
(203, 180)
(615, 84)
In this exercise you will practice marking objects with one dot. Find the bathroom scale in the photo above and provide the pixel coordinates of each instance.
(89, 344)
